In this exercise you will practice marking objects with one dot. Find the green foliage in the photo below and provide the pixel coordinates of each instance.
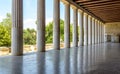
(5, 31)
(7, 22)
(49, 32)
(71, 32)
(29, 36)
(5, 39)
(61, 30)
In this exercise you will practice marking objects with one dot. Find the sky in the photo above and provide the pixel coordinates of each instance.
(30, 11)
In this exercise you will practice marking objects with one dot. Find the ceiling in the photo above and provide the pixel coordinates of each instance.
(107, 10)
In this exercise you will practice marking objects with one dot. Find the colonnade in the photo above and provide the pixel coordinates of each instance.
(91, 28)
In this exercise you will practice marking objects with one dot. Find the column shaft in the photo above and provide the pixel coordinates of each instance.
(17, 27)
(67, 26)
(75, 27)
(85, 29)
(93, 31)
(96, 30)
(101, 32)
(41, 25)
(89, 30)
(81, 37)
(56, 24)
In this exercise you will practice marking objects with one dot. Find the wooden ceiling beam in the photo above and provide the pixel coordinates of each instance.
(102, 4)
(90, 1)
(107, 10)
(84, 1)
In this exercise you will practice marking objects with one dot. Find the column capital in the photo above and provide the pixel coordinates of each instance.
(85, 14)
(89, 16)
(93, 18)
(73, 7)
(65, 2)
(80, 11)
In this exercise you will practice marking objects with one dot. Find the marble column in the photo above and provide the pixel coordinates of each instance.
(17, 27)
(90, 30)
(41, 25)
(98, 33)
(93, 31)
(101, 32)
(67, 26)
(56, 24)
(96, 30)
(85, 29)
(81, 37)
(75, 27)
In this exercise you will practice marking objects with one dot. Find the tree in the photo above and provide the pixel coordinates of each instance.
(5, 39)
(7, 22)
(5, 31)
(49, 32)
(29, 36)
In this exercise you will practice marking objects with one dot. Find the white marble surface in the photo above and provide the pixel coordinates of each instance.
(95, 59)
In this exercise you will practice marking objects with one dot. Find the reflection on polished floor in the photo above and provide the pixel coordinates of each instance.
(93, 59)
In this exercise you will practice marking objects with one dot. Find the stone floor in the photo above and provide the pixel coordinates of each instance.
(95, 59)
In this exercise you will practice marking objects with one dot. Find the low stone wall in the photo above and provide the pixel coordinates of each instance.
(5, 51)
(27, 48)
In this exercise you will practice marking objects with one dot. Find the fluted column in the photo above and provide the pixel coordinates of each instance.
(96, 30)
(75, 27)
(103, 32)
(17, 27)
(89, 30)
(41, 25)
(81, 37)
(56, 24)
(85, 29)
(100, 32)
(67, 26)
(93, 31)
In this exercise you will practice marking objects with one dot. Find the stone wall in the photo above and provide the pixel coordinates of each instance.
(112, 32)
(112, 28)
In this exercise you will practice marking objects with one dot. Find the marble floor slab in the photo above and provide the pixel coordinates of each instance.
(92, 59)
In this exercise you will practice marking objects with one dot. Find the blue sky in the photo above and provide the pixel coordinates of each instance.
(30, 11)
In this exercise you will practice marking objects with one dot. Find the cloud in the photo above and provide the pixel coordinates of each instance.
(48, 20)
(29, 23)
(1, 18)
